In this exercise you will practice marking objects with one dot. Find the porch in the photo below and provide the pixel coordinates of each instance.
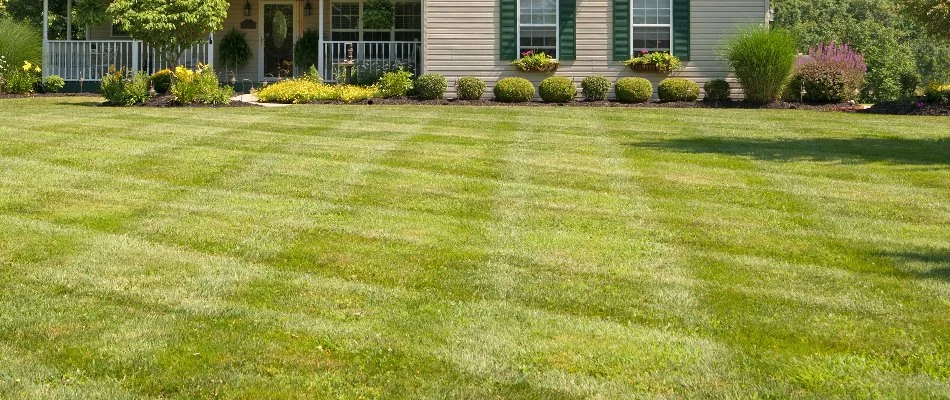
(272, 29)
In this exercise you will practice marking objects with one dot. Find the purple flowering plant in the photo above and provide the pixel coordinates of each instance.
(831, 73)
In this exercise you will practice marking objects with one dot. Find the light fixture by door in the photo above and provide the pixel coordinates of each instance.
(247, 8)
(308, 9)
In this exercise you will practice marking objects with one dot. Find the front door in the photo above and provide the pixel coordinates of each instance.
(277, 40)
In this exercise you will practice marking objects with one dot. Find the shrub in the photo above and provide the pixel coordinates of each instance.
(234, 50)
(936, 93)
(470, 88)
(634, 90)
(301, 91)
(831, 73)
(306, 49)
(312, 75)
(909, 83)
(514, 90)
(557, 89)
(196, 86)
(762, 59)
(793, 89)
(124, 89)
(296, 91)
(431, 86)
(53, 84)
(20, 42)
(717, 90)
(395, 83)
(162, 81)
(678, 89)
(23, 80)
(595, 88)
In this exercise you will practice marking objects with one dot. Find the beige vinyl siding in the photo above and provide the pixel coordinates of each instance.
(462, 39)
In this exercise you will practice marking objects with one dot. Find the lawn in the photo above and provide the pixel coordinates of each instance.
(442, 252)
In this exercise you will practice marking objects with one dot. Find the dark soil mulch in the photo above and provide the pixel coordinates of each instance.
(909, 108)
(168, 101)
(23, 96)
(700, 104)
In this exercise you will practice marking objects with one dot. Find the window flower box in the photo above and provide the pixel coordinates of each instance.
(654, 62)
(536, 62)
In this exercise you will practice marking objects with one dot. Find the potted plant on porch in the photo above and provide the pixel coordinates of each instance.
(657, 61)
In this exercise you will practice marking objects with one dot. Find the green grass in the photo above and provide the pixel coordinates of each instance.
(440, 252)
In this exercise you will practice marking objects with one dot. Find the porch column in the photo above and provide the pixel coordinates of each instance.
(320, 45)
(46, 63)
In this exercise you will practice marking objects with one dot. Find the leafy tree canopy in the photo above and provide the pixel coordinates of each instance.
(170, 26)
(892, 45)
(932, 15)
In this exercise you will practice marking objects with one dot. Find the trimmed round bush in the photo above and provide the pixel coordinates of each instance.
(53, 84)
(634, 90)
(678, 89)
(717, 91)
(557, 89)
(470, 88)
(431, 86)
(514, 90)
(595, 88)
(162, 81)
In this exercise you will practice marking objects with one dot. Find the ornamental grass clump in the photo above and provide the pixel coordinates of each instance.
(514, 90)
(557, 89)
(763, 60)
(470, 88)
(831, 73)
(634, 90)
(678, 89)
(595, 88)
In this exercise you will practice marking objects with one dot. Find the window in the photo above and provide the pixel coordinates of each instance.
(537, 27)
(652, 25)
(345, 21)
(346, 24)
(408, 21)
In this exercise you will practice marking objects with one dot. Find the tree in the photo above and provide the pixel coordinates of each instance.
(169, 26)
(932, 15)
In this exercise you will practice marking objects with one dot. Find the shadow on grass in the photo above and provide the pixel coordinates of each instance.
(889, 150)
(81, 103)
(936, 261)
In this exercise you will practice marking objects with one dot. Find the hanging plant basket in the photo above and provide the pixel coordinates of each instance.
(379, 14)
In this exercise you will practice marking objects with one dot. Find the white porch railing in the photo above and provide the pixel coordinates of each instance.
(372, 58)
(90, 60)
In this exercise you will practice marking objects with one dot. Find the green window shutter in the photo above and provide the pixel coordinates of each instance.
(681, 29)
(621, 30)
(567, 21)
(509, 29)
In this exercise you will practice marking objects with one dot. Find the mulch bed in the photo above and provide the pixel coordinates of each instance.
(699, 104)
(909, 108)
(168, 101)
(23, 96)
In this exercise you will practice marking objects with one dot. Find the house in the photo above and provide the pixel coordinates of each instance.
(453, 37)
